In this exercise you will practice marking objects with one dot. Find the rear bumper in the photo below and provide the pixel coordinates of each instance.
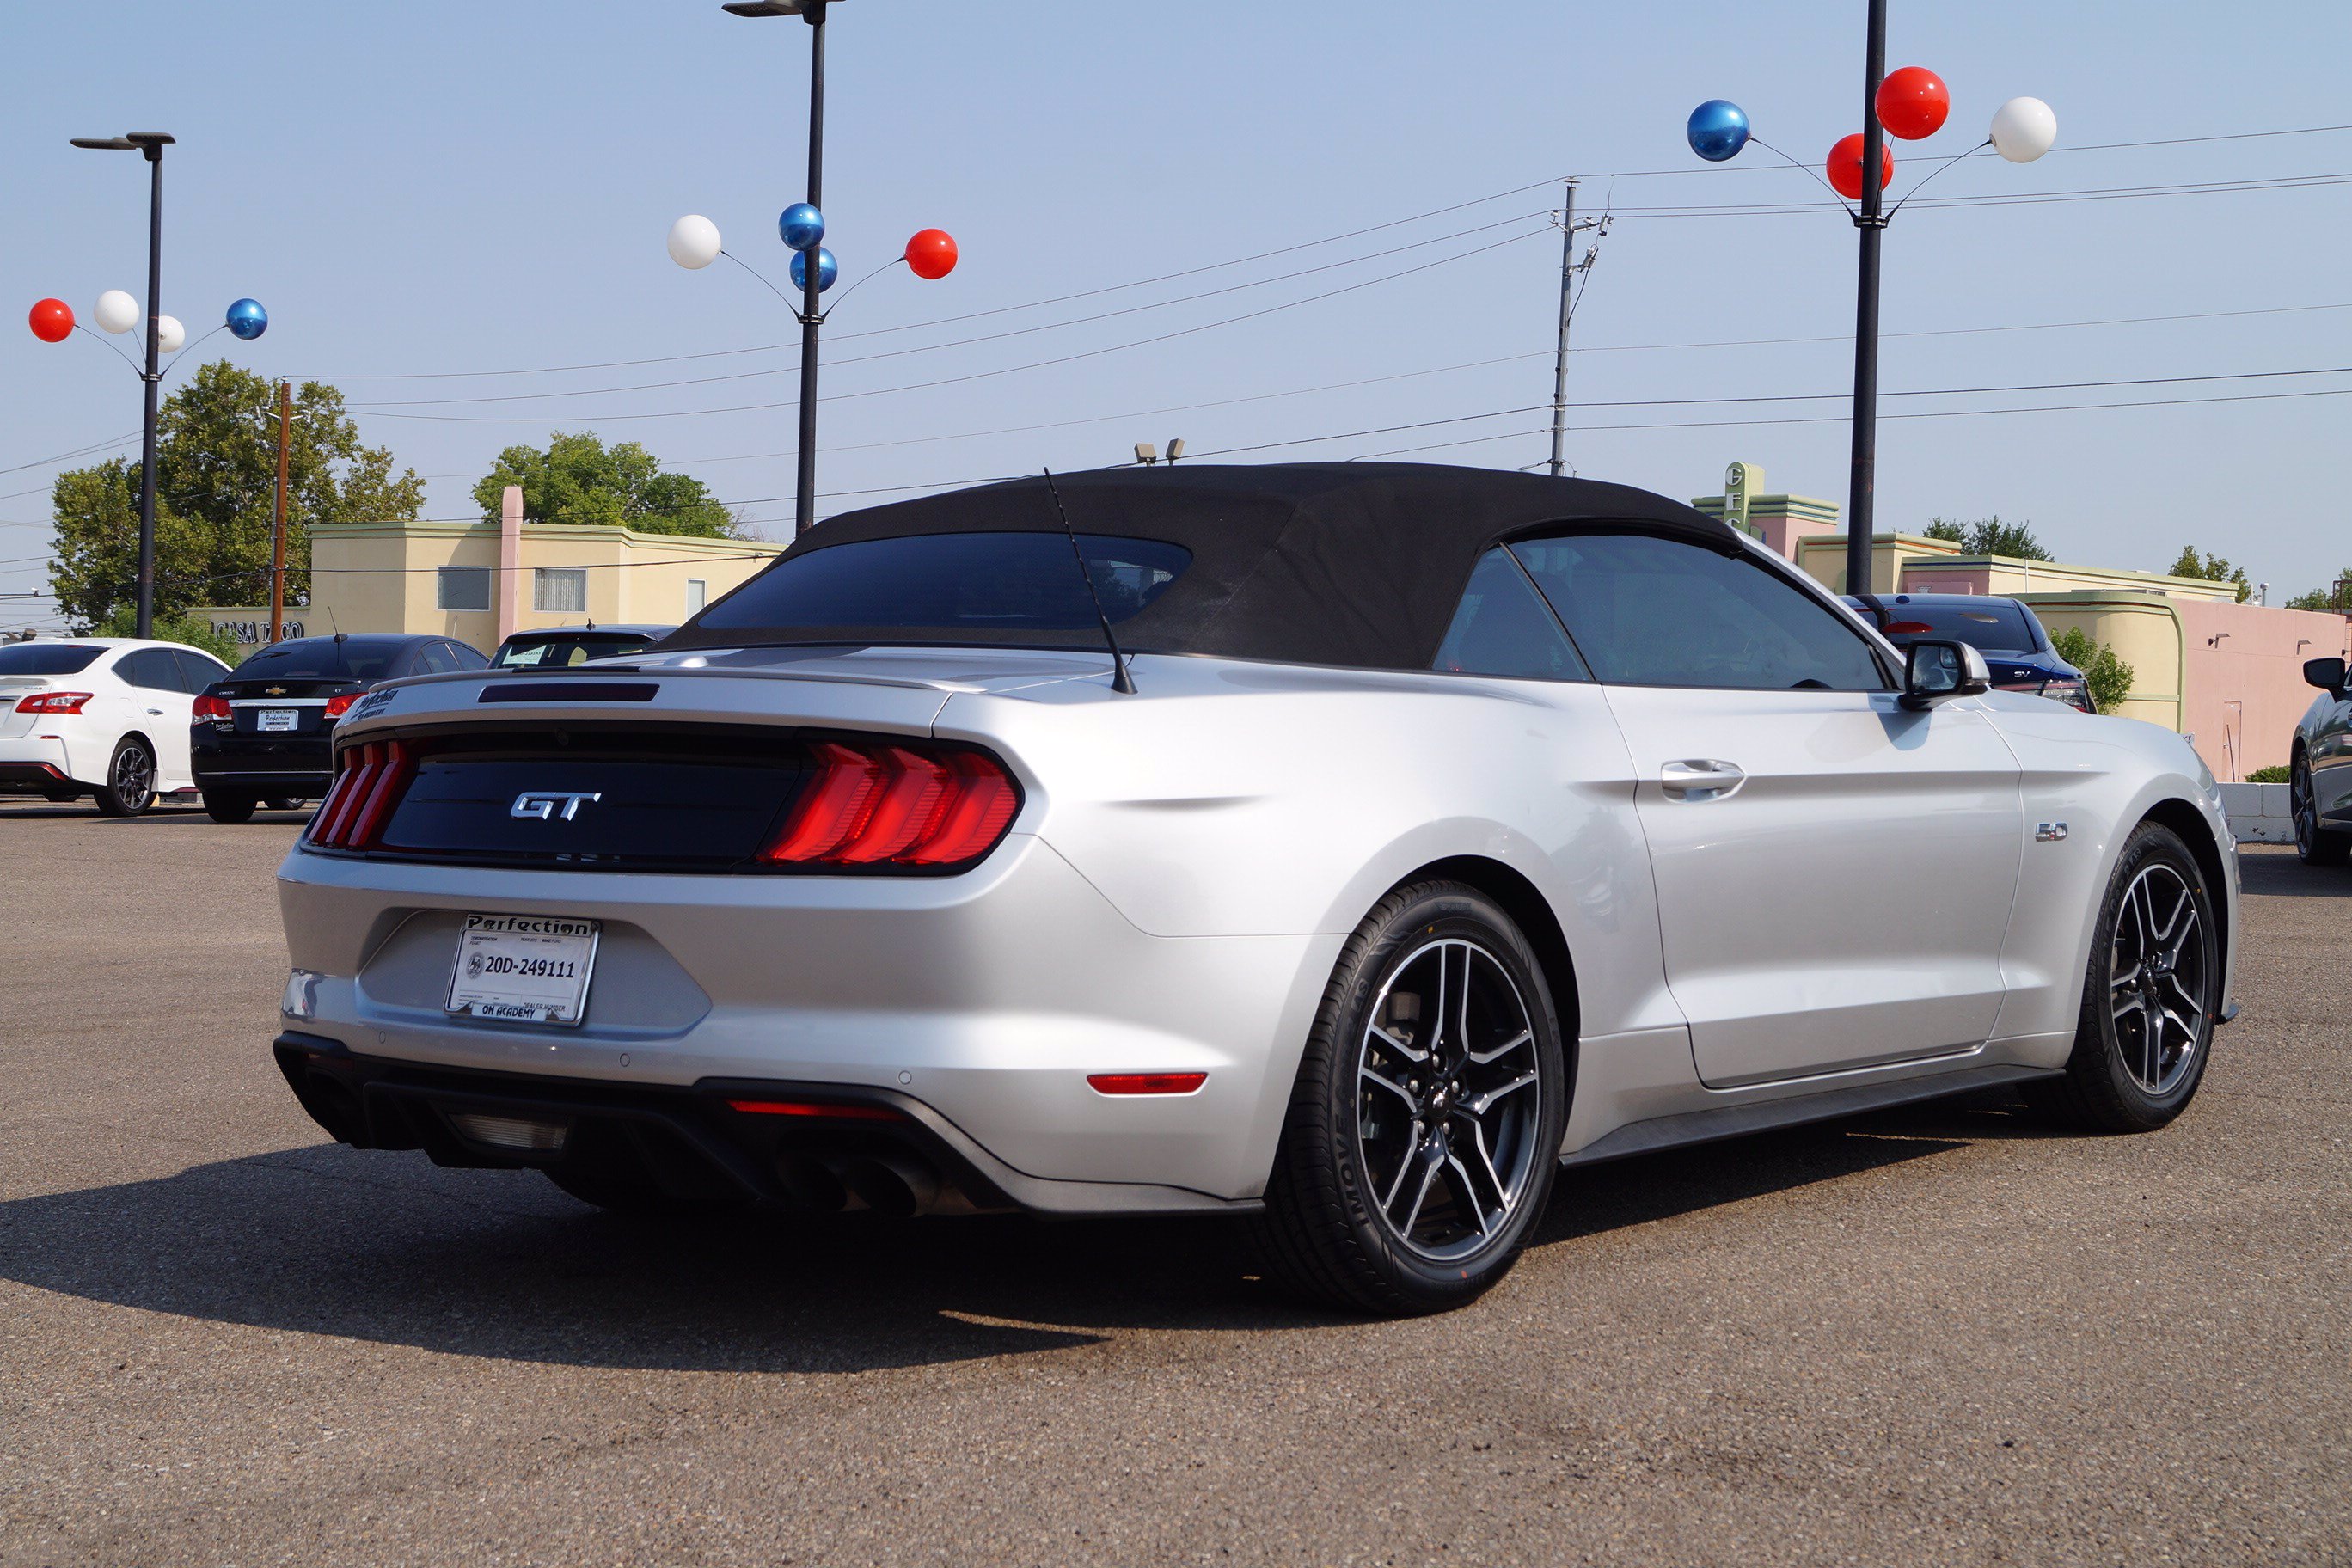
(30, 765)
(986, 1000)
(300, 764)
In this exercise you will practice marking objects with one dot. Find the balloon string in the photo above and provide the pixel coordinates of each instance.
(115, 346)
(862, 282)
(1937, 170)
(772, 289)
(190, 349)
(1851, 212)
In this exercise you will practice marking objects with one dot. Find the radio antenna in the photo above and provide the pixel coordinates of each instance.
(1119, 679)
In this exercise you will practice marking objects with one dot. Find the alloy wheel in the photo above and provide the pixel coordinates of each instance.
(1448, 1099)
(134, 778)
(2158, 979)
(2304, 807)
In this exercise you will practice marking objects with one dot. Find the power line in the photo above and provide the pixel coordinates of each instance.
(959, 343)
(984, 375)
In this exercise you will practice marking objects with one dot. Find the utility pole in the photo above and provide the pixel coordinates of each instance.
(1568, 268)
(277, 527)
(1862, 484)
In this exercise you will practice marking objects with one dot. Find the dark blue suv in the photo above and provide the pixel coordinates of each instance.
(2006, 632)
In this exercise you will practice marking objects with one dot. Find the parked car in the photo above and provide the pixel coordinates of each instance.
(2319, 772)
(1433, 827)
(550, 647)
(101, 717)
(263, 732)
(2006, 631)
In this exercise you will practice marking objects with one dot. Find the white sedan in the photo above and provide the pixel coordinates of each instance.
(101, 717)
(1441, 827)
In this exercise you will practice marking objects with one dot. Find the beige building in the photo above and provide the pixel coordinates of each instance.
(480, 581)
(2229, 675)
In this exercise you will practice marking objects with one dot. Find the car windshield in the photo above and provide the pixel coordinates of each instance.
(1996, 626)
(950, 582)
(47, 657)
(546, 653)
(323, 659)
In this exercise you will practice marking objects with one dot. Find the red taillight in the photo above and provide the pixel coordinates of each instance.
(815, 1107)
(214, 708)
(1146, 1082)
(368, 784)
(876, 804)
(339, 706)
(54, 702)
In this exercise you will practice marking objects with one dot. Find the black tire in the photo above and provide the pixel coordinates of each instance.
(2123, 1076)
(2314, 845)
(130, 787)
(229, 806)
(1327, 1232)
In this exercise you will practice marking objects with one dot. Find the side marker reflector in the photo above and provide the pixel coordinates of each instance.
(1146, 1082)
(844, 1112)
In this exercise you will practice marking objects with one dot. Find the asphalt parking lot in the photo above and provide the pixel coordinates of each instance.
(1939, 1336)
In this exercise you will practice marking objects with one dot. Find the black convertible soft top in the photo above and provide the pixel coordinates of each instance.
(1354, 564)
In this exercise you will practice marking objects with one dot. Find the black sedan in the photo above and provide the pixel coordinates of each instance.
(266, 732)
(2007, 632)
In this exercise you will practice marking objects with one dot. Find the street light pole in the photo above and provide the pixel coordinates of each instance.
(811, 316)
(151, 144)
(1861, 486)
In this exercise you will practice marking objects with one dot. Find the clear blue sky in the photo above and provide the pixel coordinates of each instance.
(433, 186)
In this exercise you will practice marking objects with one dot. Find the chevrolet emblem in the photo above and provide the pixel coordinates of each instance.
(273, 692)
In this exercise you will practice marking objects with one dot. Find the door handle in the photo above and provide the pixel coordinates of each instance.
(155, 711)
(1701, 779)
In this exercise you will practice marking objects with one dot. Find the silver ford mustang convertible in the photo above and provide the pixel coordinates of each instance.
(1348, 846)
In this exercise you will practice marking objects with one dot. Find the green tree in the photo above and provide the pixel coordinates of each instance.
(215, 492)
(579, 479)
(2337, 595)
(2109, 678)
(124, 622)
(2212, 569)
(1990, 536)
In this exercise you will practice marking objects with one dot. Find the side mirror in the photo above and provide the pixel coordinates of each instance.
(2327, 674)
(1936, 670)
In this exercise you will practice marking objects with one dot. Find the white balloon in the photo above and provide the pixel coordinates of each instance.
(694, 241)
(117, 311)
(170, 336)
(2023, 129)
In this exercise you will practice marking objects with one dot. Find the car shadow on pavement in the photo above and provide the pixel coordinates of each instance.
(2285, 876)
(387, 1248)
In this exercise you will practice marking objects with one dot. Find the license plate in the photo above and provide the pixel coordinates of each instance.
(274, 719)
(523, 969)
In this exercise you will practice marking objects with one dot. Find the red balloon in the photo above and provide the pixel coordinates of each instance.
(1846, 166)
(932, 254)
(51, 320)
(1913, 102)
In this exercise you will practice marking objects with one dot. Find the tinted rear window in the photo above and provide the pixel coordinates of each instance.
(47, 657)
(950, 583)
(1997, 625)
(323, 659)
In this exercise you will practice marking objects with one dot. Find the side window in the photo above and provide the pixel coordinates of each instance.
(151, 668)
(468, 656)
(1503, 629)
(1647, 611)
(196, 671)
(433, 658)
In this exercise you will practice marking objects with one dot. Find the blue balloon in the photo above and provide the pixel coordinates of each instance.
(1718, 129)
(828, 269)
(247, 320)
(802, 227)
